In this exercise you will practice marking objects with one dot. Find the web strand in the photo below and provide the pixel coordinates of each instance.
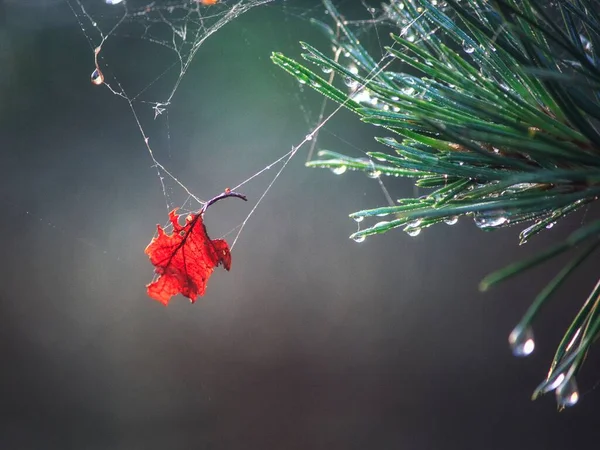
(190, 26)
(372, 75)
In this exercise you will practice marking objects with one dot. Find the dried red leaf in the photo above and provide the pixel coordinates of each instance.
(185, 259)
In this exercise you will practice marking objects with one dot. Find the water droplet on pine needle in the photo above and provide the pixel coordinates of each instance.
(567, 394)
(339, 170)
(521, 341)
(414, 223)
(413, 231)
(350, 82)
(488, 222)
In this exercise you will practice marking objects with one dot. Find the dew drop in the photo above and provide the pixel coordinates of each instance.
(326, 69)
(567, 394)
(351, 83)
(359, 239)
(550, 225)
(556, 383)
(489, 222)
(97, 77)
(414, 223)
(339, 170)
(521, 341)
(468, 49)
(451, 220)
(374, 174)
(359, 219)
(309, 137)
(413, 231)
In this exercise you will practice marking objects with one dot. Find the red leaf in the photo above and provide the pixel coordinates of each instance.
(185, 259)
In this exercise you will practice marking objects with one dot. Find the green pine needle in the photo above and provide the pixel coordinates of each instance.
(495, 107)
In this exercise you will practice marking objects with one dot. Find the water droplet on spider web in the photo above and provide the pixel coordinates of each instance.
(521, 341)
(97, 77)
(309, 137)
(567, 393)
(451, 220)
(339, 170)
(113, 2)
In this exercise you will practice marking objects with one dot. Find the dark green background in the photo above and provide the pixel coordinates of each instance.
(311, 341)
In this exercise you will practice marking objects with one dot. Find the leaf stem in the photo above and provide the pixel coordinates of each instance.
(225, 194)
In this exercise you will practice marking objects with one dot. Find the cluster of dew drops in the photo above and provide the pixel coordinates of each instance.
(564, 385)
(521, 338)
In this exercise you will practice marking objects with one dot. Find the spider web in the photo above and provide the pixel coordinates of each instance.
(180, 27)
(135, 45)
(174, 31)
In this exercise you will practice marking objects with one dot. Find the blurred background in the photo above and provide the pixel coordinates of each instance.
(312, 340)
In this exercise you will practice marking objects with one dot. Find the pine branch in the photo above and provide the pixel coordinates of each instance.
(497, 110)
